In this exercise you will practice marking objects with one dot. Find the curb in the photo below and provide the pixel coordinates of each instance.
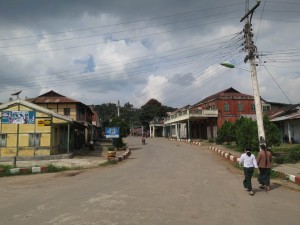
(44, 169)
(23, 171)
(124, 156)
(281, 175)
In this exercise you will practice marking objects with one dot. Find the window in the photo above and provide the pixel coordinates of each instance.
(226, 107)
(67, 111)
(3, 139)
(252, 107)
(34, 140)
(240, 107)
(266, 108)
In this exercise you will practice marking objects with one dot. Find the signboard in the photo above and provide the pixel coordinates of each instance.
(18, 117)
(44, 123)
(112, 132)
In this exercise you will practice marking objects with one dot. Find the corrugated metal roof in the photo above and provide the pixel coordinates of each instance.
(293, 116)
(230, 92)
(52, 97)
(55, 98)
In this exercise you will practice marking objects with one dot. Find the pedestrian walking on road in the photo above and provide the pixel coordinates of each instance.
(248, 161)
(264, 161)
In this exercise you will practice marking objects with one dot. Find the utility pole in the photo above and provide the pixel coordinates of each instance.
(252, 50)
(118, 108)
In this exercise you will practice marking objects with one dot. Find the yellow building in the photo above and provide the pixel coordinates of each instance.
(27, 129)
(71, 108)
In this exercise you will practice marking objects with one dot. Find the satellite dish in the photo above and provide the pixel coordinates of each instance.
(17, 94)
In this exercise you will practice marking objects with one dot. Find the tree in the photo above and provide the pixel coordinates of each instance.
(151, 109)
(130, 114)
(247, 134)
(273, 135)
(124, 130)
(226, 133)
(106, 112)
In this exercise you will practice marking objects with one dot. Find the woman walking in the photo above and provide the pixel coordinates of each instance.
(248, 161)
(264, 160)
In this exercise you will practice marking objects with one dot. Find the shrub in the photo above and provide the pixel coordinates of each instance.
(292, 156)
(111, 148)
(279, 159)
(54, 169)
(6, 167)
(211, 140)
(118, 143)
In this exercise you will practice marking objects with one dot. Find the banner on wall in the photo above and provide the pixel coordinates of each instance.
(112, 132)
(18, 117)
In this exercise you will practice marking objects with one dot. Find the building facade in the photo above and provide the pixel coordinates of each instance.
(27, 129)
(202, 120)
(288, 121)
(71, 108)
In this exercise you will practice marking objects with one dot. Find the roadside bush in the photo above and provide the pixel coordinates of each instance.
(118, 143)
(211, 140)
(247, 134)
(279, 159)
(289, 156)
(6, 168)
(226, 133)
(293, 156)
(54, 169)
(273, 135)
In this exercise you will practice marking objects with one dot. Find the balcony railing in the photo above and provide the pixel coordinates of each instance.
(188, 114)
(83, 118)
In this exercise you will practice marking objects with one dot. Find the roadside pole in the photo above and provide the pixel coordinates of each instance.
(252, 50)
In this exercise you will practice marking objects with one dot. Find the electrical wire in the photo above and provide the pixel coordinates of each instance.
(275, 82)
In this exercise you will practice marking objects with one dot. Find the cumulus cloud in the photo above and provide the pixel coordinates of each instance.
(131, 50)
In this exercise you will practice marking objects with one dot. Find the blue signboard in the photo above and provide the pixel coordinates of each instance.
(112, 132)
(18, 117)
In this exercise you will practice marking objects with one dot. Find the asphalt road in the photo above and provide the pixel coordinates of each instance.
(162, 182)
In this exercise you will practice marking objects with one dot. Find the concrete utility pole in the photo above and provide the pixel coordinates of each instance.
(118, 108)
(251, 50)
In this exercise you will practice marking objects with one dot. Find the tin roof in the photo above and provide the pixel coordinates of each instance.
(52, 97)
(230, 92)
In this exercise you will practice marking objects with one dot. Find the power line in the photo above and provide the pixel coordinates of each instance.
(275, 82)
(105, 42)
(123, 23)
(131, 61)
(115, 32)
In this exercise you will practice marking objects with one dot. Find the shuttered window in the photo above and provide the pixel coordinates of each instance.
(34, 140)
(3, 140)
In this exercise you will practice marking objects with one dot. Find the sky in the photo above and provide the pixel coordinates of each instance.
(101, 51)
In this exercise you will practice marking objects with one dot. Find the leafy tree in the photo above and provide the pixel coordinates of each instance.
(226, 133)
(247, 134)
(124, 130)
(151, 109)
(244, 132)
(272, 132)
(130, 114)
(106, 112)
(238, 123)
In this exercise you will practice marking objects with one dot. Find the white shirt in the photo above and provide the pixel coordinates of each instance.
(248, 161)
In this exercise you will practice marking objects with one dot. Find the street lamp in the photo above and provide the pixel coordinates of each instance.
(258, 110)
(231, 66)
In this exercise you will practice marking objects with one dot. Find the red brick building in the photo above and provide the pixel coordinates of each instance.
(203, 119)
(231, 105)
